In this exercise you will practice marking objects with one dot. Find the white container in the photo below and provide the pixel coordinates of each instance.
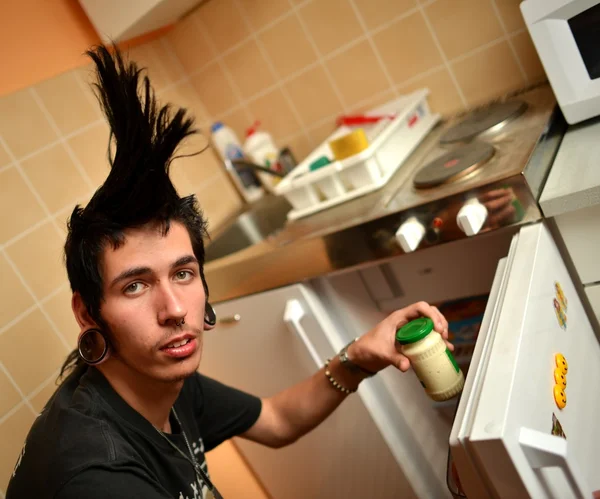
(261, 149)
(229, 148)
(431, 360)
(390, 144)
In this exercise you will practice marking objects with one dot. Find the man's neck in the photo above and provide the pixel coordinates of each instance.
(152, 399)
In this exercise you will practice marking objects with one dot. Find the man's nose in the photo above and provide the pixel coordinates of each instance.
(171, 307)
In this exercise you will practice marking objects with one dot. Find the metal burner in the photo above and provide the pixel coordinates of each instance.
(454, 165)
(491, 118)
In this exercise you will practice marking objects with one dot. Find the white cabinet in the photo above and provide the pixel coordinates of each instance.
(580, 231)
(122, 20)
(253, 348)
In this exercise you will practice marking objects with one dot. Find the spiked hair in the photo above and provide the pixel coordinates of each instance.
(138, 190)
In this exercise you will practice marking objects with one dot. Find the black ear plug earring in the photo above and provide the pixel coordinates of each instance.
(210, 317)
(92, 346)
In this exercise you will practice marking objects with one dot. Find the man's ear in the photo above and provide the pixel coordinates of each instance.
(81, 313)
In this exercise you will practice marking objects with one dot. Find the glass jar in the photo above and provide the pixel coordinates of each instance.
(430, 358)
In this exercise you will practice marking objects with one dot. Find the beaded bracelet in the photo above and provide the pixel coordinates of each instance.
(334, 382)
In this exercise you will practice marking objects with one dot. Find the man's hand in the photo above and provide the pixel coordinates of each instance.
(377, 349)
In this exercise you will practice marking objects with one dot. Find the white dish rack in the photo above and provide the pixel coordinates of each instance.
(390, 142)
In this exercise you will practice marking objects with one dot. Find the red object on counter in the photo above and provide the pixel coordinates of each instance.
(361, 119)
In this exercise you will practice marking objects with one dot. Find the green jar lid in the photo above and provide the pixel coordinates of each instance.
(319, 163)
(414, 331)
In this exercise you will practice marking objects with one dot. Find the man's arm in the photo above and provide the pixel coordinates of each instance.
(288, 415)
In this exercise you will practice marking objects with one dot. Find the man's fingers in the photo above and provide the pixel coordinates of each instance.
(402, 363)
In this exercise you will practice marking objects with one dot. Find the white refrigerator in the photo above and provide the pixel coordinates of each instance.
(513, 435)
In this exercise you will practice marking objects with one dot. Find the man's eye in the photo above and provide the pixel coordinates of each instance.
(183, 275)
(133, 288)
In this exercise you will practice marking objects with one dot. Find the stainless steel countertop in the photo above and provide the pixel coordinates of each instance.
(310, 247)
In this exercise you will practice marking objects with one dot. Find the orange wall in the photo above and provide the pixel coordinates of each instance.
(40, 39)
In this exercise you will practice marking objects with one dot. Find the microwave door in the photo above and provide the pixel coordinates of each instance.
(512, 436)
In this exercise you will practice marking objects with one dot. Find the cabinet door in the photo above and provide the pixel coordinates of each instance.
(253, 348)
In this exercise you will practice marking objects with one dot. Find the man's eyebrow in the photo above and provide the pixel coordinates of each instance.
(129, 273)
(184, 260)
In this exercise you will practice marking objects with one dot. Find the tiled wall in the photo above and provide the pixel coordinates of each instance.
(53, 155)
(296, 65)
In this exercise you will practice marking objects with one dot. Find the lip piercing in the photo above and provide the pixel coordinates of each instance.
(180, 323)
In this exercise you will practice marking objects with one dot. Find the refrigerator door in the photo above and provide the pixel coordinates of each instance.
(506, 439)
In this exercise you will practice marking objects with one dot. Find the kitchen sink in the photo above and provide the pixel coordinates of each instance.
(252, 226)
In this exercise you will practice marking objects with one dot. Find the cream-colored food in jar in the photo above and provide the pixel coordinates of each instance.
(430, 358)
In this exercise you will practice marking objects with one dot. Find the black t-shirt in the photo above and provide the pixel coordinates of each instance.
(89, 443)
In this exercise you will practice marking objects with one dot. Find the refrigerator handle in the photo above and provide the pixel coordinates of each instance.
(543, 450)
(293, 314)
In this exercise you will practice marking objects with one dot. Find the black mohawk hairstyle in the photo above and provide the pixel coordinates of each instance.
(138, 188)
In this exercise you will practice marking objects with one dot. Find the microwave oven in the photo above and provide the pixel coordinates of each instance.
(566, 35)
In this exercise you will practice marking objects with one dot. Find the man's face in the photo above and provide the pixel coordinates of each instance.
(150, 283)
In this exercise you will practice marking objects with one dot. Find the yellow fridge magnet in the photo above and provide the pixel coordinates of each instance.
(561, 316)
(560, 295)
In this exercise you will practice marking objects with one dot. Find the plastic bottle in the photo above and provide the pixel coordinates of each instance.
(430, 358)
(229, 148)
(260, 147)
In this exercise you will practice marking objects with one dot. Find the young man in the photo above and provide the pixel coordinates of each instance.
(134, 418)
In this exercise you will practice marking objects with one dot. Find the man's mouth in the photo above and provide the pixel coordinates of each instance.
(178, 343)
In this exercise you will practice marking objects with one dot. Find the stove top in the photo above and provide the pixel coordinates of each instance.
(485, 121)
(454, 165)
(450, 178)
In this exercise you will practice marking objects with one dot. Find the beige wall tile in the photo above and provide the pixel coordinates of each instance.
(487, 74)
(9, 397)
(12, 435)
(313, 96)
(511, 14)
(4, 158)
(331, 23)
(528, 56)
(463, 25)
(223, 22)
(145, 57)
(214, 89)
(299, 145)
(59, 310)
(357, 73)
(444, 97)
(164, 54)
(23, 124)
(182, 185)
(56, 178)
(275, 114)
(184, 95)
(66, 102)
(90, 148)
(319, 134)
(45, 352)
(407, 48)
(39, 400)
(377, 12)
(200, 168)
(14, 298)
(219, 200)
(38, 256)
(287, 46)
(14, 192)
(190, 45)
(239, 120)
(262, 12)
(249, 69)
(375, 101)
